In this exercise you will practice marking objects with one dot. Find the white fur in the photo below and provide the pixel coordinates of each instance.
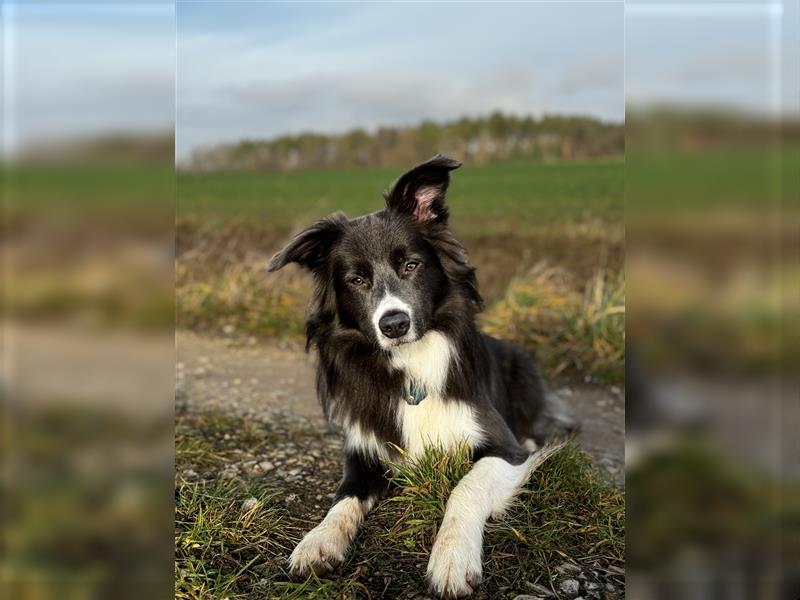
(436, 420)
(326, 544)
(364, 442)
(454, 567)
(387, 304)
(427, 360)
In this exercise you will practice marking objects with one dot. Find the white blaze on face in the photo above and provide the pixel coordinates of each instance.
(390, 303)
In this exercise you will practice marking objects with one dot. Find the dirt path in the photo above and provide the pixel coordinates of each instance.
(251, 378)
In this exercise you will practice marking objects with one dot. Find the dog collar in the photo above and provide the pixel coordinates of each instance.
(415, 393)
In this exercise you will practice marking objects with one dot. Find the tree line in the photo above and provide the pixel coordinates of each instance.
(497, 137)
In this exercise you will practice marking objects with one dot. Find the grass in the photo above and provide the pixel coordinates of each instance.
(491, 199)
(582, 333)
(233, 537)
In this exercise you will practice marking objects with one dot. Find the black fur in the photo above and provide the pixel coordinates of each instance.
(354, 263)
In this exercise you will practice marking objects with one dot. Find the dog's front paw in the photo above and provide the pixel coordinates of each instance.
(454, 568)
(319, 551)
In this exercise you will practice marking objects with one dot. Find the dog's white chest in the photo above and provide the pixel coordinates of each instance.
(436, 421)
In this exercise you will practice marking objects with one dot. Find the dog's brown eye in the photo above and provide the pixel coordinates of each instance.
(411, 265)
(357, 281)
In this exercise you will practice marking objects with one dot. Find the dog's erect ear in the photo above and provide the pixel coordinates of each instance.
(420, 193)
(310, 247)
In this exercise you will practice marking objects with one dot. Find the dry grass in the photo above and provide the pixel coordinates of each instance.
(241, 296)
(571, 332)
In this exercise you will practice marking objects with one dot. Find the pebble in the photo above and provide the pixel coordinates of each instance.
(539, 589)
(266, 466)
(570, 587)
(568, 567)
(249, 504)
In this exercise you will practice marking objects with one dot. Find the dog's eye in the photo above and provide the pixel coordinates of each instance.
(410, 266)
(357, 281)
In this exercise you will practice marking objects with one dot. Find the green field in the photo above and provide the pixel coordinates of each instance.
(499, 198)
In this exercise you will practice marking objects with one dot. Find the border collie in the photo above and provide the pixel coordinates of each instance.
(402, 363)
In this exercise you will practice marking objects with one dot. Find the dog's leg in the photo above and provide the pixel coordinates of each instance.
(454, 568)
(325, 546)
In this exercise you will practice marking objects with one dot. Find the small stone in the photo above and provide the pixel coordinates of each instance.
(190, 474)
(228, 329)
(292, 498)
(249, 504)
(527, 597)
(538, 589)
(568, 567)
(265, 466)
(294, 472)
(570, 587)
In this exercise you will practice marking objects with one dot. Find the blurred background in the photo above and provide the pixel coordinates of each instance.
(87, 299)
(711, 189)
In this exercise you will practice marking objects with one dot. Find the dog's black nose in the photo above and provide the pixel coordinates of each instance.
(394, 324)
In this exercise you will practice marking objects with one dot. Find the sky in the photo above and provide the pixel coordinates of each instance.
(78, 69)
(260, 70)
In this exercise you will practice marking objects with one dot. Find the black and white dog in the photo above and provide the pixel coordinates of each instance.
(401, 362)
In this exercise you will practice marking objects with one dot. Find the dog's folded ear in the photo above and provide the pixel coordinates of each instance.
(309, 248)
(420, 193)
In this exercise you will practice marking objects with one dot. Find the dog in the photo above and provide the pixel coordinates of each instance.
(402, 364)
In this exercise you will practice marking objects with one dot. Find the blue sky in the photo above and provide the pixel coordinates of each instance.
(265, 69)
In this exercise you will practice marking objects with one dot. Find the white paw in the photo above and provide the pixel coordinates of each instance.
(454, 568)
(319, 551)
